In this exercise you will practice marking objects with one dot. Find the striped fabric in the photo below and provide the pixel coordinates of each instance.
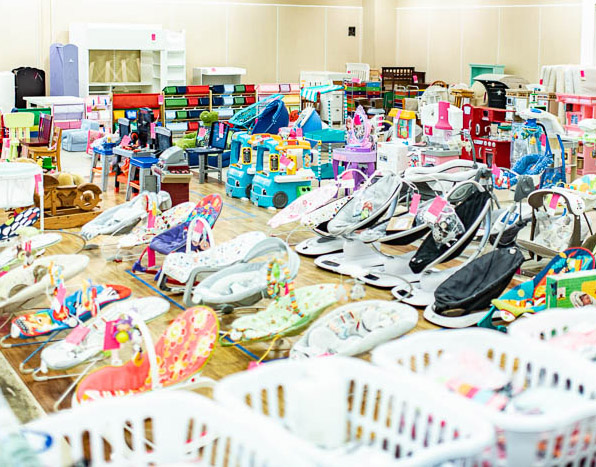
(311, 93)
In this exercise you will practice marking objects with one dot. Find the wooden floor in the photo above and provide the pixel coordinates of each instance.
(237, 217)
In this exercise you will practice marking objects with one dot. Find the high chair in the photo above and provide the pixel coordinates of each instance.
(18, 125)
(52, 151)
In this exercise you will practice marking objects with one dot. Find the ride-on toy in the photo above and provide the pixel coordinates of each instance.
(242, 162)
(288, 175)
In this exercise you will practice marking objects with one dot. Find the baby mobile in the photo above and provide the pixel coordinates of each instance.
(120, 332)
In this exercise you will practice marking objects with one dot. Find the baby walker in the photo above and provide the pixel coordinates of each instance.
(288, 176)
(242, 162)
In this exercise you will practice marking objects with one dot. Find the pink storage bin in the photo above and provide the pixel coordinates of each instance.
(436, 159)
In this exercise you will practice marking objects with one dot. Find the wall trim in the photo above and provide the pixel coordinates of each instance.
(485, 7)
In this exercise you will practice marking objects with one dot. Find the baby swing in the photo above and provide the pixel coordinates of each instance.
(73, 351)
(183, 268)
(25, 282)
(446, 236)
(585, 187)
(244, 283)
(551, 232)
(365, 208)
(355, 328)
(192, 234)
(530, 296)
(122, 218)
(175, 361)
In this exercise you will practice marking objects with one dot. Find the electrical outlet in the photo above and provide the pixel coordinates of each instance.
(351, 31)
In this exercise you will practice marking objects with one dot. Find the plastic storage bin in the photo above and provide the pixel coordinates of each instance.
(527, 365)
(160, 428)
(17, 184)
(170, 114)
(342, 402)
(176, 102)
(197, 89)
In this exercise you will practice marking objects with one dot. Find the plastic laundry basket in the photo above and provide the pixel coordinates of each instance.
(349, 404)
(161, 428)
(17, 184)
(530, 440)
(550, 323)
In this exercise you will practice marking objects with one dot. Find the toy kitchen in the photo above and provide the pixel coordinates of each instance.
(173, 174)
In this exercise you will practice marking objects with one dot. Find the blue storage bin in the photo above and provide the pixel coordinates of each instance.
(131, 114)
(218, 101)
(217, 89)
(170, 114)
(194, 113)
(181, 89)
(229, 88)
(225, 112)
(203, 101)
(177, 126)
(228, 100)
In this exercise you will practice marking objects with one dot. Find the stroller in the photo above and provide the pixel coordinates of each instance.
(365, 208)
(244, 283)
(184, 268)
(184, 235)
(122, 218)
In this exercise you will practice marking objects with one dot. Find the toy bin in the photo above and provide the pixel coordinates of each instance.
(170, 114)
(218, 101)
(193, 126)
(239, 88)
(249, 88)
(250, 99)
(203, 89)
(344, 411)
(239, 100)
(177, 126)
(169, 90)
(147, 429)
(193, 101)
(181, 114)
(194, 113)
(181, 89)
(17, 184)
(229, 88)
(218, 88)
(176, 102)
(203, 101)
(529, 440)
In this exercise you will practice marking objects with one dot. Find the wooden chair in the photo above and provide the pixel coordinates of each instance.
(53, 150)
(18, 124)
(43, 138)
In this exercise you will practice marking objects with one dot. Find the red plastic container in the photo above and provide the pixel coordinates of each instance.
(135, 101)
(204, 89)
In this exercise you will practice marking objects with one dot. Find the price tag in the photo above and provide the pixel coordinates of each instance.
(38, 184)
(152, 130)
(202, 132)
(283, 160)
(398, 224)
(554, 201)
(434, 210)
(160, 99)
(153, 36)
(61, 294)
(415, 203)
(496, 171)
(125, 140)
(77, 335)
(109, 341)
(582, 74)
(415, 79)
(299, 133)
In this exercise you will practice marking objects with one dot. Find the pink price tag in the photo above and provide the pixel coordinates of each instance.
(151, 221)
(89, 108)
(61, 294)
(496, 171)
(415, 78)
(153, 36)
(152, 130)
(582, 73)
(415, 203)
(125, 140)
(435, 208)
(221, 130)
(202, 132)
(554, 201)
(160, 99)
(109, 341)
(299, 133)
(541, 82)
(77, 335)
(38, 184)
(355, 80)
(283, 160)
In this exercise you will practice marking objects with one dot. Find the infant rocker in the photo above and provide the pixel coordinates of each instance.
(174, 362)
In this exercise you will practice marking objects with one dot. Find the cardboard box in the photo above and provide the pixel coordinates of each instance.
(571, 290)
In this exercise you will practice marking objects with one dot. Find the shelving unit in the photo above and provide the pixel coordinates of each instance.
(98, 108)
(121, 103)
(182, 107)
(227, 99)
(290, 91)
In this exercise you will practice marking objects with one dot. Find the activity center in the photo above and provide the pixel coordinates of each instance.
(305, 233)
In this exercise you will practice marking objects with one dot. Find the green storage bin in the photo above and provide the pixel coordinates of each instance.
(169, 90)
(239, 100)
(477, 69)
(240, 88)
(181, 114)
(177, 102)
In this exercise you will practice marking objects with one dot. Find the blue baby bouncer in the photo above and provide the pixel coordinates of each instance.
(266, 116)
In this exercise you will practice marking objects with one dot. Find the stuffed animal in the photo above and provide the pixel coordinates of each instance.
(68, 179)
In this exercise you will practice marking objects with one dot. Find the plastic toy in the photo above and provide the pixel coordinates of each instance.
(288, 175)
(243, 157)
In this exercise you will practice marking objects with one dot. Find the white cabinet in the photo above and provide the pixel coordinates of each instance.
(332, 107)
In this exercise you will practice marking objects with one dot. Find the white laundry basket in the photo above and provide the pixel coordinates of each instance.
(551, 323)
(360, 413)
(528, 364)
(17, 184)
(161, 428)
